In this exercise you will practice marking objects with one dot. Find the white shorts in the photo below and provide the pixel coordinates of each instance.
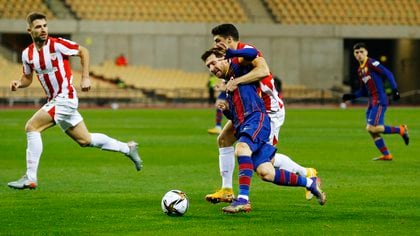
(276, 121)
(64, 112)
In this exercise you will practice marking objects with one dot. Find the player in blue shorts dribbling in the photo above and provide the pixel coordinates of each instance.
(372, 76)
(246, 109)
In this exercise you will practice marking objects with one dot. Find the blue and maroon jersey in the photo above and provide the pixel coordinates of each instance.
(372, 76)
(244, 100)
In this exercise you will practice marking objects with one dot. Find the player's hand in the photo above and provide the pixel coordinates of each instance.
(14, 85)
(85, 84)
(348, 96)
(221, 47)
(222, 105)
(231, 85)
(221, 86)
(395, 95)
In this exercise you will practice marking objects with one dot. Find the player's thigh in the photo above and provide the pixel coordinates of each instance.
(375, 115)
(39, 122)
(80, 134)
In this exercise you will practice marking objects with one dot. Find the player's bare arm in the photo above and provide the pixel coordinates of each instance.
(84, 61)
(24, 82)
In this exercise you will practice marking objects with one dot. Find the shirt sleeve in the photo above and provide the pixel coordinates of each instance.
(67, 47)
(26, 68)
(382, 70)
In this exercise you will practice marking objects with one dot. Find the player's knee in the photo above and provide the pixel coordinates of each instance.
(265, 172)
(372, 129)
(83, 142)
(242, 149)
(29, 127)
(223, 140)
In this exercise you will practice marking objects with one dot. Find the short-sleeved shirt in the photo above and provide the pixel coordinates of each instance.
(52, 67)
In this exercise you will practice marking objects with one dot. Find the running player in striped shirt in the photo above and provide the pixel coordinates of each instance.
(251, 123)
(372, 76)
(226, 36)
(48, 57)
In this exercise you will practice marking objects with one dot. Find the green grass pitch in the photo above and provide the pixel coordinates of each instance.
(89, 191)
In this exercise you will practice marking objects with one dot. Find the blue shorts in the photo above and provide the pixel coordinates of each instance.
(255, 132)
(375, 115)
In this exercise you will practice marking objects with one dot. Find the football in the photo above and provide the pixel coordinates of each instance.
(175, 203)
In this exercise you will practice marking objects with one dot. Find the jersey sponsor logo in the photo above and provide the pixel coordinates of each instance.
(375, 63)
(46, 71)
(365, 79)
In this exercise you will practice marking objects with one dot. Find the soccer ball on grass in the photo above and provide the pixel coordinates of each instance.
(175, 203)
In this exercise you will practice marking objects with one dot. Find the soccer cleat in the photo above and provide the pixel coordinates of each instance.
(238, 205)
(23, 183)
(222, 195)
(215, 130)
(310, 172)
(383, 158)
(134, 155)
(404, 134)
(316, 190)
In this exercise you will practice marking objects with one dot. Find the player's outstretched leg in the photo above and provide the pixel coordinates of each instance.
(134, 155)
(238, 205)
(23, 183)
(226, 166)
(404, 134)
(310, 173)
(283, 161)
(316, 190)
(386, 155)
(106, 143)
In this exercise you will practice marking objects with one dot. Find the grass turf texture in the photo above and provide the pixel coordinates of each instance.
(88, 191)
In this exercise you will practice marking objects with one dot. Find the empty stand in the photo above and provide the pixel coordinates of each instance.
(19, 9)
(345, 12)
(159, 10)
(169, 83)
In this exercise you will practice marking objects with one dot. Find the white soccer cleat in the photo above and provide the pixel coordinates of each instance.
(134, 155)
(23, 183)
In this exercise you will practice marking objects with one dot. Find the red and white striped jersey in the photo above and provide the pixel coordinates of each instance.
(271, 97)
(52, 67)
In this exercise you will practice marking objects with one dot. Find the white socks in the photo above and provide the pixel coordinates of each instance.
(33, 154)
(106, 143)
(226, 165)
(282, 161)
(34, 149)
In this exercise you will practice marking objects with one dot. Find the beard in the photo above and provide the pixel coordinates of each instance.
(40, 39)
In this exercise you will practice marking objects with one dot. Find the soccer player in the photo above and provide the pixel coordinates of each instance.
(252, 127)
(372, 76)
(226, 37)
(217, 129)
(48, 57)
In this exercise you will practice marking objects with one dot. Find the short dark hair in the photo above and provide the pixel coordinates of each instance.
(207, 53)
(226, 30)
(35, 16)
(359, 46)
